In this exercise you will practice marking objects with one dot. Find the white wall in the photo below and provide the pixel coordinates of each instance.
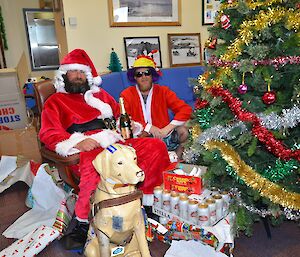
(94, 34)
(12, 11)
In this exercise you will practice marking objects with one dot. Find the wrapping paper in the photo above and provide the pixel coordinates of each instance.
(47, 201)
(31, 244)
(192, 249)
(19, 174)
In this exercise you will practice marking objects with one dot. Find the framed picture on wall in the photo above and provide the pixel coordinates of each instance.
(184, 49)
(144, 13)
(135, 46)
(210, 10)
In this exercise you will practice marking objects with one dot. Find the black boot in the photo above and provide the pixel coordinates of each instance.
(76, 239)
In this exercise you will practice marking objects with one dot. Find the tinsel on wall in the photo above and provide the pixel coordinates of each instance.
(247, 114)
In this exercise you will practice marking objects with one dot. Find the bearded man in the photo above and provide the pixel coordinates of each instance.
(78, 119)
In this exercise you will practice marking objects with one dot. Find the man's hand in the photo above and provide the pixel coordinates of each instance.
(87, 145)
(167, 130)
(144, 134)
(156, 132)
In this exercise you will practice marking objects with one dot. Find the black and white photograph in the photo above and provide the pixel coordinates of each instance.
(144, 12)
(135, 46)
(210, 10)
(184, 49)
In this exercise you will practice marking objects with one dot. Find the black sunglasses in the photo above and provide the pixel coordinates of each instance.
(139, 74)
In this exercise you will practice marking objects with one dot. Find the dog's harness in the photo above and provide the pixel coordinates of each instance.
(96, 207)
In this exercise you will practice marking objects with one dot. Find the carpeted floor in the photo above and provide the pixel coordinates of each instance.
(285, 241)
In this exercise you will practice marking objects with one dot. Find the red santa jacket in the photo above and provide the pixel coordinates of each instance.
(155, 111)
(61, 110)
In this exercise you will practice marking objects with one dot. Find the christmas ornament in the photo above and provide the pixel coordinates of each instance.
(243, 88)
(225, 21)
(200, 104)
(211, 43)
(269, 97)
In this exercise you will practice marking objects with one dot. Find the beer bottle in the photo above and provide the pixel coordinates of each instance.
(125, 122)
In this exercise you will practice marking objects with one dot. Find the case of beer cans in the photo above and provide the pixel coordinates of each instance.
(184, 183)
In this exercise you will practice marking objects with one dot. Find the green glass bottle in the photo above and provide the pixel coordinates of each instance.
(125, 122)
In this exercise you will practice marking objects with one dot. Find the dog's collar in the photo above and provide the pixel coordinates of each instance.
(137, 194)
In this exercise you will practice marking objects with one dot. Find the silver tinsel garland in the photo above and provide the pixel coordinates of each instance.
(288, 213)
(290, 118)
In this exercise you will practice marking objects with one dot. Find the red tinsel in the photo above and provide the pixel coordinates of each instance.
(200, 104)
(277, 62)
(263, 135)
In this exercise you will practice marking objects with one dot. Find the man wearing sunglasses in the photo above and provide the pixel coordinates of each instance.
(148, 103)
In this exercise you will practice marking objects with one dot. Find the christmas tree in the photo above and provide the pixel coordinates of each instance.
(115, 64)
(247, 114)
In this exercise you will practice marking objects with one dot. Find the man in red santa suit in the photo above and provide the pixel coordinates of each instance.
(149, 103)
(74, 120)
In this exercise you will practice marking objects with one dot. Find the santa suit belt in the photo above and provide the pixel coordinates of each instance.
(107, 123)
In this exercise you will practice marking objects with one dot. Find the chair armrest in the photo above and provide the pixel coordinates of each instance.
(54, 157)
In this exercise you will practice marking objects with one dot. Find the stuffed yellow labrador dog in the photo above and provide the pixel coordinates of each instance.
(116, 216)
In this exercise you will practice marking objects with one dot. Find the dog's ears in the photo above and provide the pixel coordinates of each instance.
(98, 161)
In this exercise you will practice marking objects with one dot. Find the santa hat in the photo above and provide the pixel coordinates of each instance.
(144, 61)
(78, 59)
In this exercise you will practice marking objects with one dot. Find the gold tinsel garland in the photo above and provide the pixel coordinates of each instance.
(251, 4)
(252, 178)
(262, 20)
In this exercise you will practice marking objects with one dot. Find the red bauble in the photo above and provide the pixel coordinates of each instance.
(269, 97)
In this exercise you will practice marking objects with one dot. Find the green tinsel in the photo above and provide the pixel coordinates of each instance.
(232, 173)
(2, 31)
(281, 170)
(204, 117)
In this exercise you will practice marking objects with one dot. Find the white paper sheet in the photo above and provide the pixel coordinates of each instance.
(47, 198)
(191, 249)
(20, 174)
(7, 165)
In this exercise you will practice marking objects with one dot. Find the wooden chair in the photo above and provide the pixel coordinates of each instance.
(42, 90)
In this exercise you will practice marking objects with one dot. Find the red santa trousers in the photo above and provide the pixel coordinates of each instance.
(152, 158)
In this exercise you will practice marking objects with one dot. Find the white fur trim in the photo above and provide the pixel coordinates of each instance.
(104, 108)
(177, 122)
(97, 81)
(106, 137)
(137, 128)
(59, 81)
(148, 127)
(66, 147)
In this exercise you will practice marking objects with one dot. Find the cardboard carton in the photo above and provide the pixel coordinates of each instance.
(12, 102)
(20, 142)
(184, 183)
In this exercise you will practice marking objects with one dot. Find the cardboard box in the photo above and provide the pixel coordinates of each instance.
(13, 113)
(184, 183)
(20, 142)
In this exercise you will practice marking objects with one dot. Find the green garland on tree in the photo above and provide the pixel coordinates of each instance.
(115, 64)
(2, 31)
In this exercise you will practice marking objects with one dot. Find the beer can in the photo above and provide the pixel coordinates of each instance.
(214, 190)
(203, 215)
(193, 211)
(183, 206)
(226, 200)
(174, 203)
(212, 210)
(157, 193)
(166, 198)
(219, 206)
